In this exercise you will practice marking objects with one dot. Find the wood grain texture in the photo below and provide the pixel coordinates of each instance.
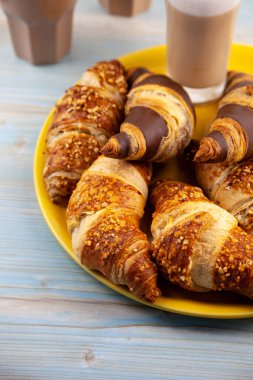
(57, 322)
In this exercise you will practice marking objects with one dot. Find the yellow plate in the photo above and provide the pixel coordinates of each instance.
(210, 305)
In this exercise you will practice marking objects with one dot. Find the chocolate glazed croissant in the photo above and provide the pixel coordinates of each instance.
(136, 74)
(84, 119)
(160, 120)
(103, 217)
(231, 136)
(231, 187)
(197, 244)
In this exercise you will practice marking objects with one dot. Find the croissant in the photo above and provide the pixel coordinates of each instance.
(84, 119)
(103, 217)
(231, 136)
(159, 123)
(136, 73)
(197, 244)
(237, 79)
(231, 187)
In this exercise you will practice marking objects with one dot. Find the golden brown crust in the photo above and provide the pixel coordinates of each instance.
(59, 187)
(240, 177)
(241, 96)
(86, 105)
(237, 79)
(231, 139)
(167, 195)
(235, 139)
(231, 187)
(145, 170)
(84, 118)
(209, 150)
(103, 217)
(67, 158)
(110, 75)
(71, 153)
(160, 121)
(234, 265)
(197, 244)
(172, 251)
(108, 249)
(95, 192)
(245, 219)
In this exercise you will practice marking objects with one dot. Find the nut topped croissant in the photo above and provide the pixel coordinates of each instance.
(84, 119)
(159, 123)
(231, 187)
(197, 244)
(231, 133)
(228, 185)
(103, 217)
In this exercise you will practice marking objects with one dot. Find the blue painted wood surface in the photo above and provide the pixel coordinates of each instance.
(57, 322)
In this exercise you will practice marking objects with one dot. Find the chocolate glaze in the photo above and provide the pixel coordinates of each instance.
(218, 136)
(235, 76)
(163, 80)
(135, 74)
(190, 151)
(244, 116)
(152, 126)
(240, 84)
(124, 143)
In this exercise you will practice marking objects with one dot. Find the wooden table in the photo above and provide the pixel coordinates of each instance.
(57, 322)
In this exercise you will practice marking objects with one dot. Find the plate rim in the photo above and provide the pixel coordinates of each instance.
(119, 289)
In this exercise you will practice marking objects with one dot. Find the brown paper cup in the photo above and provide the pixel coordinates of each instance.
(40, 29)
(125, 7)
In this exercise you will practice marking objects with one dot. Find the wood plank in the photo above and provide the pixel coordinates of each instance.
(128, 352)
(56, 321)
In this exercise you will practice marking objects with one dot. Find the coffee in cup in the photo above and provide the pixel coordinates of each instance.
(199, 36)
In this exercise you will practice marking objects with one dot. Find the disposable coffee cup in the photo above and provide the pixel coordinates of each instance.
(126, 8)
(199, 39)
(41, 30)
